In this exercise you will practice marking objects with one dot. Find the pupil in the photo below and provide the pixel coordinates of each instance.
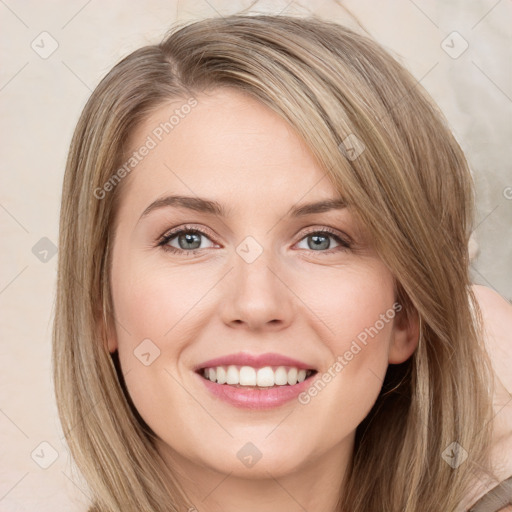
(317, 242)
(189, 239)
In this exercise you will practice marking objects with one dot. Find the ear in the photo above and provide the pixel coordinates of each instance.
(106, 332)
(111, 336)
(405, 337)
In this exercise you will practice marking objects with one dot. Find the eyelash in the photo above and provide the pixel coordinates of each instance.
(165, 239)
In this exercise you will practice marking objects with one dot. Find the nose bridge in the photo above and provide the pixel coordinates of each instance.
(258, 295)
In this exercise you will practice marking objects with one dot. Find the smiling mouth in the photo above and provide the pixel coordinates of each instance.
(248, 377)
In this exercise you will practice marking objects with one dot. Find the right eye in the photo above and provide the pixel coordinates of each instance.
(186, 240)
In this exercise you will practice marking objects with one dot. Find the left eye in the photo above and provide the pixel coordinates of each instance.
(321, 241)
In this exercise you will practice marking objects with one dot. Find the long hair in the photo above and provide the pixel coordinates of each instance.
(389, 153)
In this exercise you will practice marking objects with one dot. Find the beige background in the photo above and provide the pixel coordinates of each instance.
(41, 99)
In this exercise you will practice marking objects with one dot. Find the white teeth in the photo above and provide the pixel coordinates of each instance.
(265, 377)
(232, 375)
(221, 375)
(247, 376)
(292, 376)
(281, 376)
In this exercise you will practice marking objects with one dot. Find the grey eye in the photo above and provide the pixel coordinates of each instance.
(318, 241)
(187, 240)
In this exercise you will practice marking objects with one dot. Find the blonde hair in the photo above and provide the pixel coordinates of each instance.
(411, 188)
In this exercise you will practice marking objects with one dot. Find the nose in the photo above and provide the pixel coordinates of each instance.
(257, 296)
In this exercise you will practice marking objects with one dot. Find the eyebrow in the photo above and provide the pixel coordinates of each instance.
(202, 205)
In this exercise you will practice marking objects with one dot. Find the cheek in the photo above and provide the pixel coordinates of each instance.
(349, 303)
(356, 309)
(154, 304)
(158, 311)
(346, 390)
(153, 311)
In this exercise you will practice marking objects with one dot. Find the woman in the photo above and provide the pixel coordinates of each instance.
(263, 297)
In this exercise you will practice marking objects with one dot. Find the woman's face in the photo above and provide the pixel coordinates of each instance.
(269, 285)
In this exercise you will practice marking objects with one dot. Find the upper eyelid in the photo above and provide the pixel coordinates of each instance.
(176, 231)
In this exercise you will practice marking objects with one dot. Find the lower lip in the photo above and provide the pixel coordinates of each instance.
(264, 398)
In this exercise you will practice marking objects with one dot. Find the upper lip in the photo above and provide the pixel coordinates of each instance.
(254, 360)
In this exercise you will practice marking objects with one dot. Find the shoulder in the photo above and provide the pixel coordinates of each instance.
(497, 332)
(499, 307)
(493, 304)
(497, 320)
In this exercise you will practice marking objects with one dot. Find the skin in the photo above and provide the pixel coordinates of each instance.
(497, 319)
(302, 302)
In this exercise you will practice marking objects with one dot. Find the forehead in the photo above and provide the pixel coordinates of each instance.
(227, 145)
